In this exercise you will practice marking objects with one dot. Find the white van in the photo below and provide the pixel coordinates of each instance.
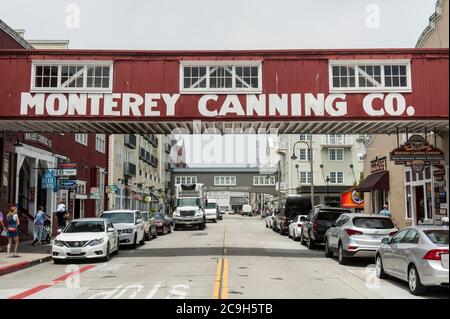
(247, 210)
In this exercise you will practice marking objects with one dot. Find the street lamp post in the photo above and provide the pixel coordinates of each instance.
(328, 193)
(310, 154)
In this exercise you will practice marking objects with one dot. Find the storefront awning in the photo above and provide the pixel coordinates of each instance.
(375, 181)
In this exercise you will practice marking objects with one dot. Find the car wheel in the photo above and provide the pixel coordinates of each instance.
(328, 252)
(134, 245)
(116, 252)
(341, 258)
(414, 283)
(108, 254)
(311, 243)
(147, 235)
(142, 242)
(379, 270)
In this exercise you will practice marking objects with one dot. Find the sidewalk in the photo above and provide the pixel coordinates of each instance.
(28, 256)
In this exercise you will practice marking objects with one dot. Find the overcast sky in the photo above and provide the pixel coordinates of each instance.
(213, 24)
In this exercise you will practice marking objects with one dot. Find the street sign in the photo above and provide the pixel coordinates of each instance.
(67, 183)
(67, 169)
(112, 189)
(48, 180)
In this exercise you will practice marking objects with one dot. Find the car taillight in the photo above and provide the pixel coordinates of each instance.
(352, 232)
(393, 233)
(435, 254)
(315, 226)
(299, 225)
(351, 247)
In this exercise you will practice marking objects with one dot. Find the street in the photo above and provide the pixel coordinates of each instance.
(234, 258)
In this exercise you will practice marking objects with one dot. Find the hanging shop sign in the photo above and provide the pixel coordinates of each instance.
(48, 180)
(147, 199)
(65, 183)
(95, 193)
(38, 138)
(417, 153)
(112, 189)
(67, 170)
(378, 165)
(352, 199)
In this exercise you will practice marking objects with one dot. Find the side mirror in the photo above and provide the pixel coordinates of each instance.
(385, 241)
(111, 230)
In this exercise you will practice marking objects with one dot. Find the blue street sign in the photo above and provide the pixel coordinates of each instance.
(48, 180)
(67, 183)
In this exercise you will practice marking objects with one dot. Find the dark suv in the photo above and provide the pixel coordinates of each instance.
(320, 219)
(294, 205)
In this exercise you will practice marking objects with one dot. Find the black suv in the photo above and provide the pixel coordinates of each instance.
(294, 205)
(320, 219)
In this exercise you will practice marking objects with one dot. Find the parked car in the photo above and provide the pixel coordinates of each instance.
(163, 224)
(295, 227)
(276, 221)
(247, 210)
(319, 220)
(231, 212)
(417, 255)
(86, 238)
(357, 235)
(269, 220)
(293, 205)
(129, 224)
(149, 226)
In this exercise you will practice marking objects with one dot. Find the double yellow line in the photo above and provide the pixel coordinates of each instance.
(221, 283)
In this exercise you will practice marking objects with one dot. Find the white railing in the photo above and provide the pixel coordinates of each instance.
(337, 140)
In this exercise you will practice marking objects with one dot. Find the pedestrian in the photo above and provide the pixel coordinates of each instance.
(385, 211)
(39, 220)
(12, 220)
(3, 230)
(61, 212)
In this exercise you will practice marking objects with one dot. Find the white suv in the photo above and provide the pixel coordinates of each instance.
(129, 224)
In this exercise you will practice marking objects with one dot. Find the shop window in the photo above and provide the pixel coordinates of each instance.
(242, 76)
(368, 76)
(76, 76)
(407, 176)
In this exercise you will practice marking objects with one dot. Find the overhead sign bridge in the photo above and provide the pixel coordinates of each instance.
(285, 91)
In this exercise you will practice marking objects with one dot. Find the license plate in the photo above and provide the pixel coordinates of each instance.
(76, 251)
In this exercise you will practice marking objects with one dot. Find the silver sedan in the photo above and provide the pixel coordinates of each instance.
(418, 255)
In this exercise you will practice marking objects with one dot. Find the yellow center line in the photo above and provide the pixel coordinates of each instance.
(218, 279)
(224, 290)
(221, 282)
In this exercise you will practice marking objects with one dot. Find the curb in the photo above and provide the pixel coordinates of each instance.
(23, 265)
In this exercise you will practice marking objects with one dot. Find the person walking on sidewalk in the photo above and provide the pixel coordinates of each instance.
(13, 223)
(61, 212)
(39, 219)
(3, 230)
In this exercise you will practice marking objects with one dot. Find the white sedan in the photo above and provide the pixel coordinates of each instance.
(295, 227)
(86, 238)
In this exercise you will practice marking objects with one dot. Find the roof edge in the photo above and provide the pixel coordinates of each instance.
(434, 18)
(13, 34)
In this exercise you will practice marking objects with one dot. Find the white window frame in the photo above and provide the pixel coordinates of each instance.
(305, 137)
(98, 146)
(261, 180)
(208, 64)
(330, 150)
(336, 177)
(231, 180)
(381, 63)
(79, 138)
(307, 154)
(307, 177)
(183, 179)
(60, 63)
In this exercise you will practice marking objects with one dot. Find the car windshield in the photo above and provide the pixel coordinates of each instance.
(158, 216)
(85, 227)
(298, 205)
(328, 215)
(211, 205)
(181, 202)
(373, 222)
(437, 236)
(127, 218)
(145, 216)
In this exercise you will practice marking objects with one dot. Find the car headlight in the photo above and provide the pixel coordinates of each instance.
(58, 243)
(198, 213)
(128, 230)
(96, 242)
(176, 213)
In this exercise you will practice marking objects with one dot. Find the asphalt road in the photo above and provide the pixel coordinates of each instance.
(234, 258)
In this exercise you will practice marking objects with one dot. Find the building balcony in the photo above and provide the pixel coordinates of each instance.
(336, 141)
(130, 140)
(129, 169)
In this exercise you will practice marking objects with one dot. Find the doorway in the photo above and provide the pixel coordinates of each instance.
(419, 204)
